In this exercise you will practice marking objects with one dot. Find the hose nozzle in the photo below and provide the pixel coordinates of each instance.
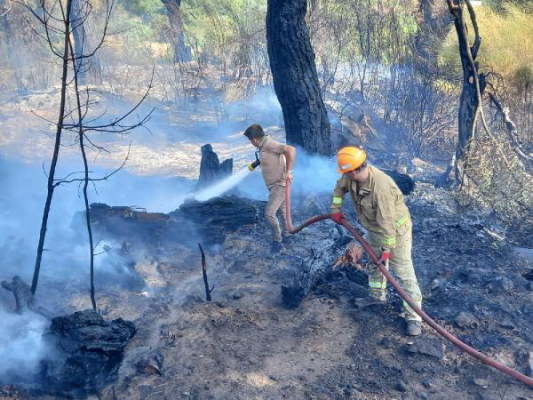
(253, 165)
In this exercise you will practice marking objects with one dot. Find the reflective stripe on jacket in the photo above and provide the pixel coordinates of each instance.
(379, 204)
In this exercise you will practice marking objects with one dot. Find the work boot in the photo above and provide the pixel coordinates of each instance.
(414, 328)
(276, 247)
(364, 302)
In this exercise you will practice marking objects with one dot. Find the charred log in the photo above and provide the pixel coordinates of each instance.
(211, 170)
(215, 218)
(312, 271)
(92, 352)
(210, 220)
(24, 299)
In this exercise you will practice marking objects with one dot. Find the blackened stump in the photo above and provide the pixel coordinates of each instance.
(211, 170)
(91, 352)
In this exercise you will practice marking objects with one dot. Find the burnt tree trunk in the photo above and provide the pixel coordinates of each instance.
(292, 62)
(468, 103)
(182, 53)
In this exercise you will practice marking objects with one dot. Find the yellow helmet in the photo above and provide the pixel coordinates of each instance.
(350, 158)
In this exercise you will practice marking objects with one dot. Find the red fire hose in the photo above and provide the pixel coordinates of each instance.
(443, 332)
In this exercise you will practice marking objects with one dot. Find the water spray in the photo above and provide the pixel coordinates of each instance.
(222, 186)
(228, 183)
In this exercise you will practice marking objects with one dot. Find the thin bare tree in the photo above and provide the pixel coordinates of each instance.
(58, 20)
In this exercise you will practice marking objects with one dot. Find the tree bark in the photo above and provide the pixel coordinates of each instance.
(292, 62)
(182, 53)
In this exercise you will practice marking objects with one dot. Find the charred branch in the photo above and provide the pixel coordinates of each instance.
(24, 299)
(86, 176)
(204, 275)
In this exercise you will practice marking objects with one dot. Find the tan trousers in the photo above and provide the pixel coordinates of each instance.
(276, 202)
(402, 265)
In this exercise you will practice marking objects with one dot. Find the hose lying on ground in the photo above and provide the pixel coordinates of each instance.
(443, 332)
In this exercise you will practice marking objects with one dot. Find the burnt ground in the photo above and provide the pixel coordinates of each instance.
(245, 344)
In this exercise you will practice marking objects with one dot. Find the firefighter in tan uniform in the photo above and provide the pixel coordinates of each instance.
(381, 209)
(276, 160)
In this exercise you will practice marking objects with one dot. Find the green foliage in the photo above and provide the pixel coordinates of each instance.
(227, 30)
(378, 31)
(144, 8)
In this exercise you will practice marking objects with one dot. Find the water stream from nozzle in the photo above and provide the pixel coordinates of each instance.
(222, 186)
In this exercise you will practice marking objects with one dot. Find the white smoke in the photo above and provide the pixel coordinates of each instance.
(22, 345)
(313, 174)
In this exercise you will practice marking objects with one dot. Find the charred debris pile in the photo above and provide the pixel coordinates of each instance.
(85, 351)
(91, 350)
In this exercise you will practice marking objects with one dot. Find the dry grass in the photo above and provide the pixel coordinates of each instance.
(507, 41)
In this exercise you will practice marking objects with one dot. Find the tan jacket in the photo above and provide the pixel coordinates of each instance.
(379, 204)
(272, 162)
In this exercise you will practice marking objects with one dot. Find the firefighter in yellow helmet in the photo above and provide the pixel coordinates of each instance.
(381, 209)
